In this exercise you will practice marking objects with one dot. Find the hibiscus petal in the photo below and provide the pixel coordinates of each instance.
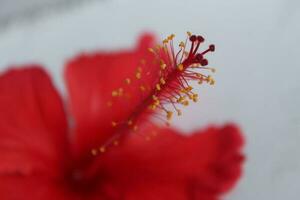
(31, 188)
(203, 165)
(95, 82)
(32, 123)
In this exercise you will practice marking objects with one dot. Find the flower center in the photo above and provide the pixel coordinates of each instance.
(171, 89)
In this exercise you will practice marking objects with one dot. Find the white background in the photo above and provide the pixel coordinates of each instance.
(257, 61)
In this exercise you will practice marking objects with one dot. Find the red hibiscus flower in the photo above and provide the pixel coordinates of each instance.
(110, 147)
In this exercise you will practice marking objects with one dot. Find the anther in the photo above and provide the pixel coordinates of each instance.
(128, 81)
(180, 67)
(114, 124)
(94, 152)
(162, 81)
(138, 75)
(169, 115)
(102, 149)
(158, 87)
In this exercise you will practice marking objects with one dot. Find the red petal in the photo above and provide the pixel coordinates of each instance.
(32, 123)
(203, 165)
(91, 78)
(31, 188)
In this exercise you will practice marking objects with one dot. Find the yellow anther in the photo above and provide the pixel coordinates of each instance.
(139, 69)
(212, 82)
(102, 149)
(181, 44)
(114, 93)
(200, 82)
(199, 75)
(170, 37)
(165, 41)
(94, 152)
(109, 104)
(208, 79)
(158, 86)
(189, 34)
(128, 81)
(162, 81)
(154, 97)
(169, 115)
(185, 103)
(179, 112)
(163, 66)
(130, 122)
(180, 99)
(152, 107)
(213, 70)
(156, 102)
(116, 142)
(189, 88)
(114, 124)
(138, 75)
(180, 67)
(151, 50)
(142, 88)
(195, 97)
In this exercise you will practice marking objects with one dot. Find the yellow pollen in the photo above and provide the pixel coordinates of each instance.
(163, 66)
(180, 99)
(156, 102)
(169, 115)
(185, 103)
(200, 82)
(212, 82)
(189, 34)
(102, 149)
(180, 67)
(151, 50)
(165, 41)
(189, 88)
(158, 86)
(195, 99)
(152, 107)
(142, 88)
(94, 152)
(181, 44)
(162, 81)
(128, 81)
(154, 97)
(114, 124)
(138, 75)
(114, 93)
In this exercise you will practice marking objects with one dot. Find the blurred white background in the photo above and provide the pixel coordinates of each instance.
(257, 61)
